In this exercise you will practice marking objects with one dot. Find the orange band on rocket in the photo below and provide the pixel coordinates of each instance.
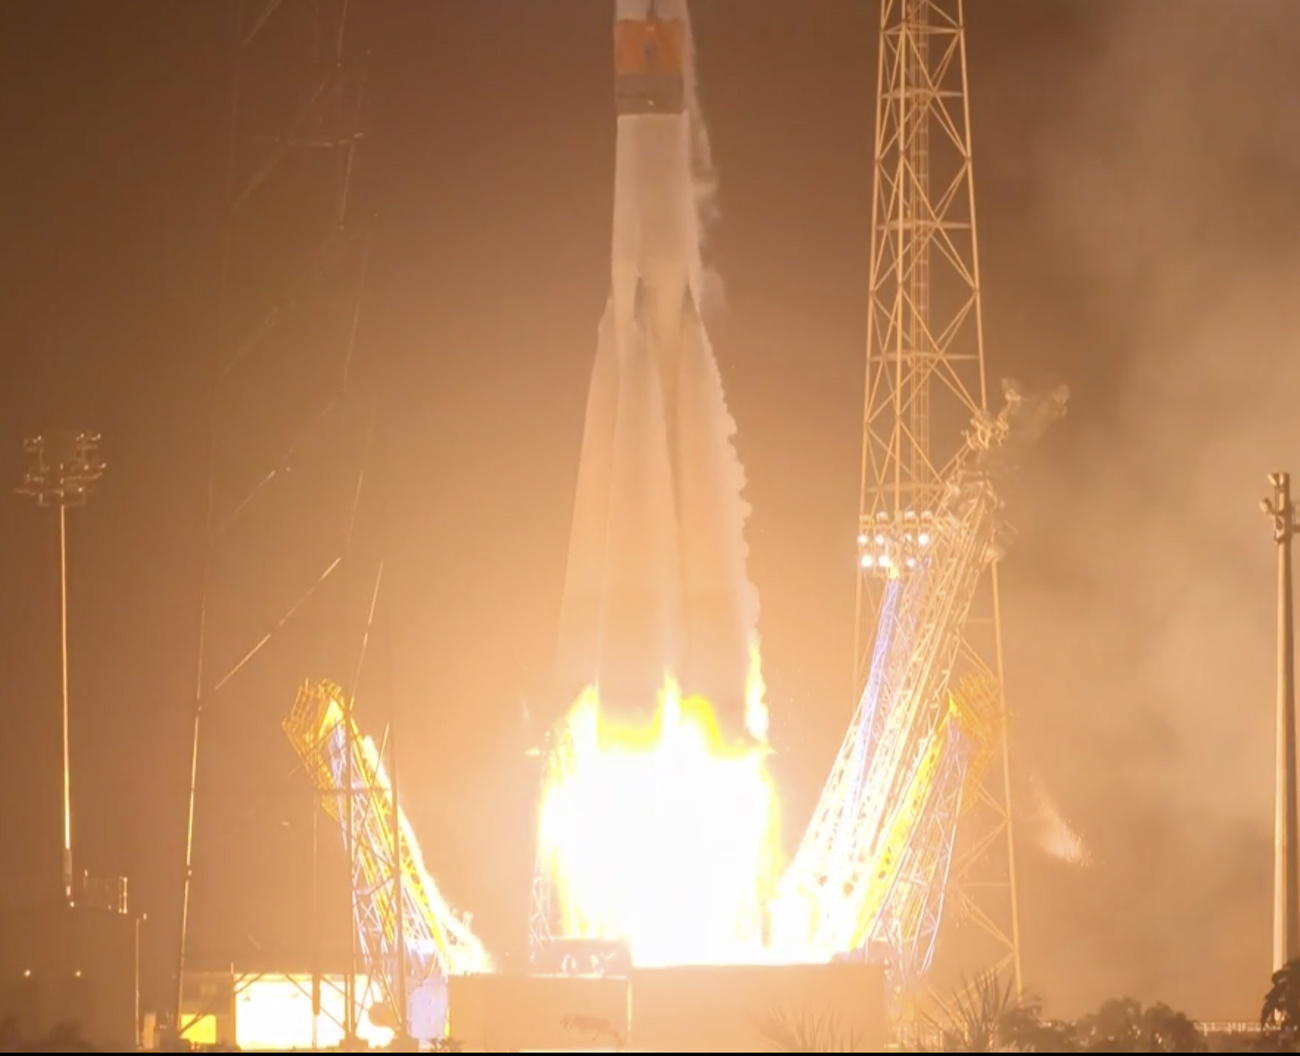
(649, 59)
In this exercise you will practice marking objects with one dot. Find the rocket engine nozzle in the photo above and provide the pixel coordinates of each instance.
(649, 60)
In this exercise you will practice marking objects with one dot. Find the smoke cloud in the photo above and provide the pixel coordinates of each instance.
(1052, 834)
(702, 169)
(1141, 615)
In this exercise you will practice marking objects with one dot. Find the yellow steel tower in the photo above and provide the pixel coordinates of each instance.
(926, 383)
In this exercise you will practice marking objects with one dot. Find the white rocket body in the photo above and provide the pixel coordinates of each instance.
(656, 581)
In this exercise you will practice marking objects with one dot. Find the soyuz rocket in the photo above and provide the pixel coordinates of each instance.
(656, 583)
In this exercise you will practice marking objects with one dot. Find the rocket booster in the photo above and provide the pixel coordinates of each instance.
(656, 584)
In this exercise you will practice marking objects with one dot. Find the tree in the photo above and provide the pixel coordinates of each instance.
(985, 1015)
(806, 1032)
(1024, 1029)
(1279, 1019)
(1123, 1025)
(1115, 1027)
(1164, 1030)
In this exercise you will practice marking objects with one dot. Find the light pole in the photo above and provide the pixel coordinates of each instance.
(64, 466)
(1286, 868)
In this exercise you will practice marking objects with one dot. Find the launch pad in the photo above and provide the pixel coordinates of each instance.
(657, 818)
(696, 1008)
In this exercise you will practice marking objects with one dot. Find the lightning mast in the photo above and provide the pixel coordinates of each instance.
(926, 382)
(1286, 871)
(289, 429)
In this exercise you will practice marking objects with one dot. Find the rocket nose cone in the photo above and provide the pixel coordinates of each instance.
(646, 8)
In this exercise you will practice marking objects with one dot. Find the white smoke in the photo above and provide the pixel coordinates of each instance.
(710, 291)
(702, 169)
(657, 576)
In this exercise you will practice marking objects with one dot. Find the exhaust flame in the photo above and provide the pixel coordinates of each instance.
(664, 834)
(756, 716)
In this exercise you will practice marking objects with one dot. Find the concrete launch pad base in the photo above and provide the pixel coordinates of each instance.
(707, 1008)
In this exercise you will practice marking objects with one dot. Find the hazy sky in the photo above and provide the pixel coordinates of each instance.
(1136, 165)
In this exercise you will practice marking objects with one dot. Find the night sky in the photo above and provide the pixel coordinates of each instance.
(1136, 165)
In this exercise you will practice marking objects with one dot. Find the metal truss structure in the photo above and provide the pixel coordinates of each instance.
(290, 424)
(872, 868)
(259, 1010)
(410, 937)
(884, 839)
(926, 382)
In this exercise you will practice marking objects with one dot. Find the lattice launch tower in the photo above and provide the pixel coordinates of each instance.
(926, 379)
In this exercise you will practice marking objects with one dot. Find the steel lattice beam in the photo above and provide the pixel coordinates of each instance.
(926, 381)
(349, 774)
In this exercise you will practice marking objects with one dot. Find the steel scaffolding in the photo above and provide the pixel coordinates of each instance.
(926, 382)
(410, 938)
(872, 870)
(289, 433)
(927, 612)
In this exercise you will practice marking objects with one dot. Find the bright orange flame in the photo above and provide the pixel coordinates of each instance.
(663, 834)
